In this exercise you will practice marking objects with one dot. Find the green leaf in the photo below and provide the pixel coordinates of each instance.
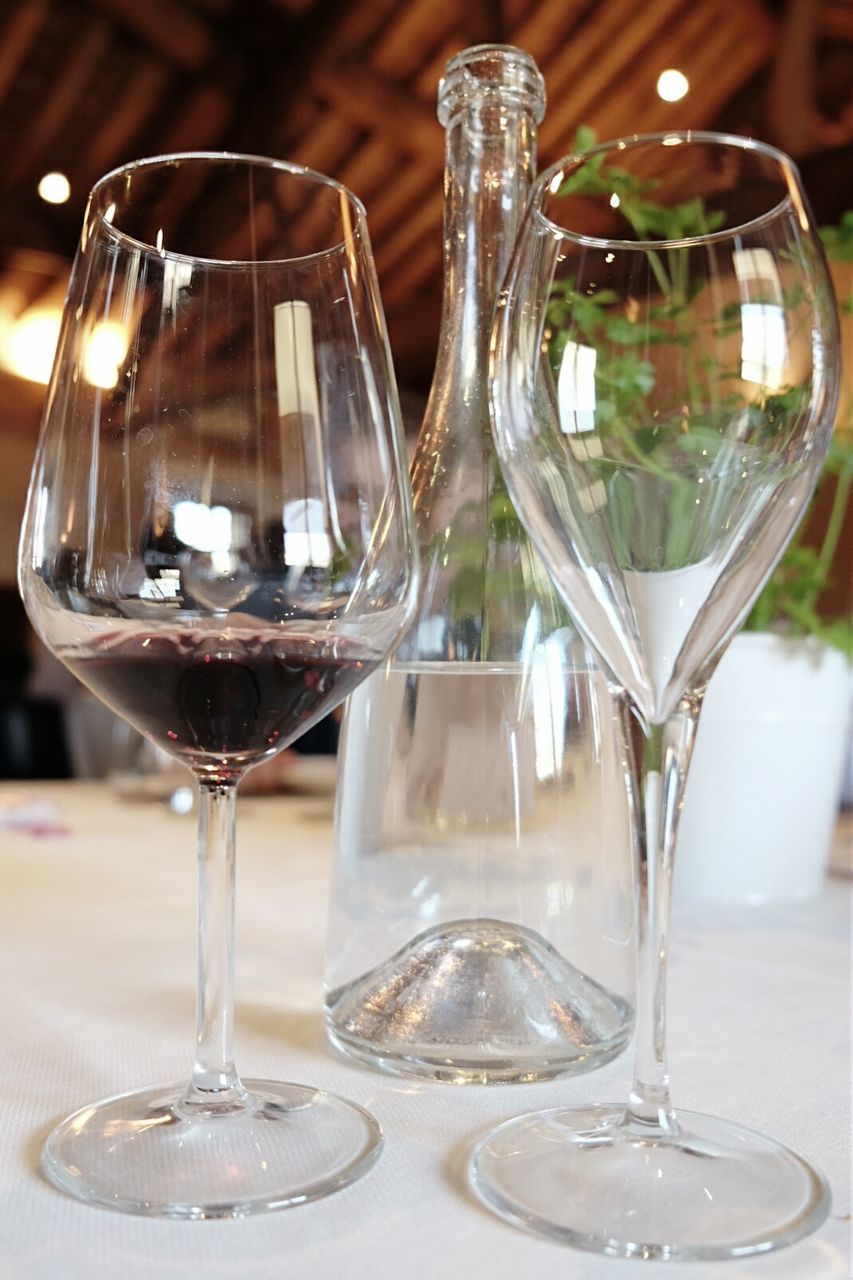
(839, 634)
(584, 140)
(647, 438)
(839, 459)
(838, 241)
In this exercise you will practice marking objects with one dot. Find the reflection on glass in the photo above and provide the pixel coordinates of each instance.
(576, 388)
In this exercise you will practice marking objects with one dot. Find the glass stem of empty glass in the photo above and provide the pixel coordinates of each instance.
(659, 759)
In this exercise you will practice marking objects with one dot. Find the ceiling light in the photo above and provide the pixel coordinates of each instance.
(28, 346)
(30, 343)
(104, 353)
(54, 188)
(672, 85)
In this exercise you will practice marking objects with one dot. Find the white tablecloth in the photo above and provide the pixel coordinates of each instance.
(97, 927)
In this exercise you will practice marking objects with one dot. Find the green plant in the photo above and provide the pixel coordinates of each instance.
(667, 453)
(790, 602)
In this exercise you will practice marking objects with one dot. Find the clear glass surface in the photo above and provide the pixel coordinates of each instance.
(468, 880)
(219, 543)
(664, 382)
(582, 1175)
(481, 924)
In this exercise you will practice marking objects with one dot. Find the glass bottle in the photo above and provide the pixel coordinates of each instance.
(480, 921)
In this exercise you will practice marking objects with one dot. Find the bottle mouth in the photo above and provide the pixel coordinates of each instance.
(497, 72)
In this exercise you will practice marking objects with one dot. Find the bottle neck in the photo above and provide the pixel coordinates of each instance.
(490, 160)
(478, 586)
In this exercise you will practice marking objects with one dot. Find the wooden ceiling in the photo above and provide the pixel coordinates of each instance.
(348, 87)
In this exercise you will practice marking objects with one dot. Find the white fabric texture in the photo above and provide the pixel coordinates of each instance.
(97, 934)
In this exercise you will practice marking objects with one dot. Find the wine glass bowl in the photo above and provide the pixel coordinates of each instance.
(239, 395)
(664, 379)
(668, 410)
(219, 544)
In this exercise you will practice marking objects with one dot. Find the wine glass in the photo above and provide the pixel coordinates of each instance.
(219, 544)
(663, 388)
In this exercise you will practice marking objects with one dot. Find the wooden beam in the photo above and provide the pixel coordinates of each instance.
(836, 21)
(274, 92)
(408, 188)
(58, 105)
(374, 160)
(310, 232)
(421, 265)
(377, 104)
(636, 107)
(606, 49)
(201, 121)
(141, 95)
(720, 64)
(355, 30)
(426, 84)
(413, 325)
(17, 36)
(417, 27)
(547, 27)
(327, 144)
(514, 12)
(484, 22)
(169, 28)
(423, 220)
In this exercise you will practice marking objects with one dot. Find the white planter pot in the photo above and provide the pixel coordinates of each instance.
(763, 791)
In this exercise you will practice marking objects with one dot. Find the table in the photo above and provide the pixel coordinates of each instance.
(97, 920)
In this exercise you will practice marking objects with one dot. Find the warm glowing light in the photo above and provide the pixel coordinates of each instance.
(54, 188)
(207, 529)
(30, 343)
(105, 351)
(28, 346)
(672, 85)
(615, 201)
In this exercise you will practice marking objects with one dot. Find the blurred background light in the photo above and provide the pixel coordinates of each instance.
(104, 352)
(672, 85)
(54, 188)
(29, 343)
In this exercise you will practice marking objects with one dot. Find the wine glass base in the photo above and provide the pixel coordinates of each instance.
(145, 1153)
(713, 1190)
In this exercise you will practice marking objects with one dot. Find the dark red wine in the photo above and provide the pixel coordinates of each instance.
(220, 703)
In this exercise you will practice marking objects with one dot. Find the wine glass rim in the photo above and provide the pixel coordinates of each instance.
(166, 159)
(671, 137)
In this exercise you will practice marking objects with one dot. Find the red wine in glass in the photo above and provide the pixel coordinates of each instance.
(218, 702)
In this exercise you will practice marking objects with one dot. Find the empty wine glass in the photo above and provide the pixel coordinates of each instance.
(218, 542)
(664, 380)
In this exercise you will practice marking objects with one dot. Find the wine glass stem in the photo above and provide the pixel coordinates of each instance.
(215, 1082)
(661, 756)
